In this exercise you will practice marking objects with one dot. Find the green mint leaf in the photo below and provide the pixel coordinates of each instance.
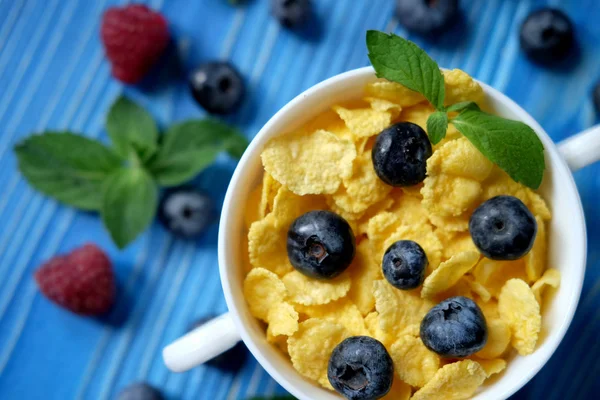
(399, 60)
(437, 125)
(191, 146)
(68, 167)
(129, 200)
(131, 128)
(463, 105)
(512, 145)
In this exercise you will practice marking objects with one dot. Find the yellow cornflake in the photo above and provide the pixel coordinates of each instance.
(456, 381)
(372, 211)
(374, 327)
(399, 391)
(383, 105)
(492, 367)
(363, 271)
(490, 309)
(309, 163)
(409, 210)
(535, 260)
(263, 290)
(500, 183)
(455, 242)
(394, 92)
(451, 224)
(461, 87)
(283, 319)
(398, 309)
(363, 188)
(364, 122)
(424, 235)
(537, 205)
(493, 274)
(288, 206)
(330, 121)
(450, 196)
(498, 339)
(460, 288)
(520, 310)
(309, 291)
(414, 363)
(460, 158)
(381, 226)
(550, 278)
(418, 115)
(341, 311)
(448, 273)
(267, 246)
(270, 187)
(311, 346)
(253, 208)
(478, 288)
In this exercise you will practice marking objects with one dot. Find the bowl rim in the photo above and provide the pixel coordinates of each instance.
(262, 137)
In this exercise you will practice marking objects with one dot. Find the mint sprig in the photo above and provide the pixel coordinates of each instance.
(121, 181)
(512, 145)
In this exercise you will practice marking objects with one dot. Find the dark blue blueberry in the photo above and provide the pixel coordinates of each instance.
(454, 328)
(291, 13)
(217, 86)
(400, 154)
(596, 96)
(547, 36)
(360, 368)
(426, 16)
(140, 391)
(320, 244)
(503, 228)
(404, 264)
(230, 361)
(186, 211)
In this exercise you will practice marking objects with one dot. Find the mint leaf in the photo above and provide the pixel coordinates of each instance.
(191, 146)
(131, 128)
(463, 105)
(512, 145)
(399, 60)
(68, 167)
(437, 125)
(129, 200)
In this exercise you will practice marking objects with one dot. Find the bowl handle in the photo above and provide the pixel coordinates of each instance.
(582, 149)
(200, 345)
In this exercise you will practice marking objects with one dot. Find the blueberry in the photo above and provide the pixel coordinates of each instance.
(503, 228)
(404, 264)
(455, 327)
(217, 86)
(596, 96)
(360, 368)
(230, 361)
(320, 244)
(400, 154)
(426, 16)
(547, 36)
(140, 391)
(186, 211)
(291, 13)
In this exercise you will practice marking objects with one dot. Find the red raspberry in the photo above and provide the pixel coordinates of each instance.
(81, 281)
(134, 38)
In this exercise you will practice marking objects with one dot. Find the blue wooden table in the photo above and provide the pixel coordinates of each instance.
(53, 75)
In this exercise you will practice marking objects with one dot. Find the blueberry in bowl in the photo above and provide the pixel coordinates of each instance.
(320, 244)
(404, 264)
(454, 328)
(503, 228)
(360, 368)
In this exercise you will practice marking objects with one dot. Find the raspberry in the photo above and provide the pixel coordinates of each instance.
(81, 281)
(134, 38)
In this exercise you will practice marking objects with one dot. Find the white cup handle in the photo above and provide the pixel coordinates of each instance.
(200, 345)
(582, 149)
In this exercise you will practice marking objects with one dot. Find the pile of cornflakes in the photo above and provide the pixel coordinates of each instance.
(327, 165)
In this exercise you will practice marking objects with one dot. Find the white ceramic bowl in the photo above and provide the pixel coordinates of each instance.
(566, 245)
